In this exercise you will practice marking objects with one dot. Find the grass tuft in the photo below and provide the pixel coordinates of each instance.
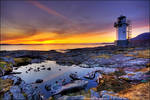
(137, 92)
(140, 54)
(106, 56)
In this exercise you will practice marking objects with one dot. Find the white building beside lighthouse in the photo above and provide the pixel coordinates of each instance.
(121, 25)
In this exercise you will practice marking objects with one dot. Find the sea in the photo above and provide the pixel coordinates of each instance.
(47, 47)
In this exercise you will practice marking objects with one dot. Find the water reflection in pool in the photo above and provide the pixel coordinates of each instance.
(55, 73)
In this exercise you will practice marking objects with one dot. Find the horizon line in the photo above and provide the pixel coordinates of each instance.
(59, 43)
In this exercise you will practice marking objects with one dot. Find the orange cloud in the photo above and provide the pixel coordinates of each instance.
(46, 38)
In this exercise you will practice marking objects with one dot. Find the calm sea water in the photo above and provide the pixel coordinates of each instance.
(47, 47)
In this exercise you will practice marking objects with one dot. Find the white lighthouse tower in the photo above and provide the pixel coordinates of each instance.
(121, 26)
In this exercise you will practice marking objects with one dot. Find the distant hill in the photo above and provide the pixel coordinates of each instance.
(141, 40)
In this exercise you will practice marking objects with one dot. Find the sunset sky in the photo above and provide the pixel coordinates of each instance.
(69, 21)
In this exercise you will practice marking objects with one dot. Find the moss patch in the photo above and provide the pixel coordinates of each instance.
(86, 94)
(5, 85)
(112, 83)
(148, 65)
(119, 72)
(123, 50)
(22, 61)
(6, 66)
(120, 51)
(25, 95)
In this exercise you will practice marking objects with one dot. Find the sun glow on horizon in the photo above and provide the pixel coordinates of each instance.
(54, 38)
(48, 38)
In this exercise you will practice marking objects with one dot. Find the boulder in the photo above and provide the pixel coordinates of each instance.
(74, 76)
(48, 87)
(15, 72)
(7, 96)
(90, 75)
(17, 80)
(42, 68)
(39, 81)
(84, 66)
(49, 68)
(16, 92)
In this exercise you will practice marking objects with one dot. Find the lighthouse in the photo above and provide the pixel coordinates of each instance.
(121, 28)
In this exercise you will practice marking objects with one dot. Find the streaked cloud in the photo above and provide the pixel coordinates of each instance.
(37, 21)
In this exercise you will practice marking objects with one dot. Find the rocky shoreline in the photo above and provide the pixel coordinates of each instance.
(121, 68)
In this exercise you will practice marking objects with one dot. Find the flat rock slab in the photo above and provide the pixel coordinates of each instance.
(136, 62)
(7, 96)
(137, 76)
(78, 84)
(80, 97)
(121, 58)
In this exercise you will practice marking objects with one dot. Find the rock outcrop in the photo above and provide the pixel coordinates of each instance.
(20, 90)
